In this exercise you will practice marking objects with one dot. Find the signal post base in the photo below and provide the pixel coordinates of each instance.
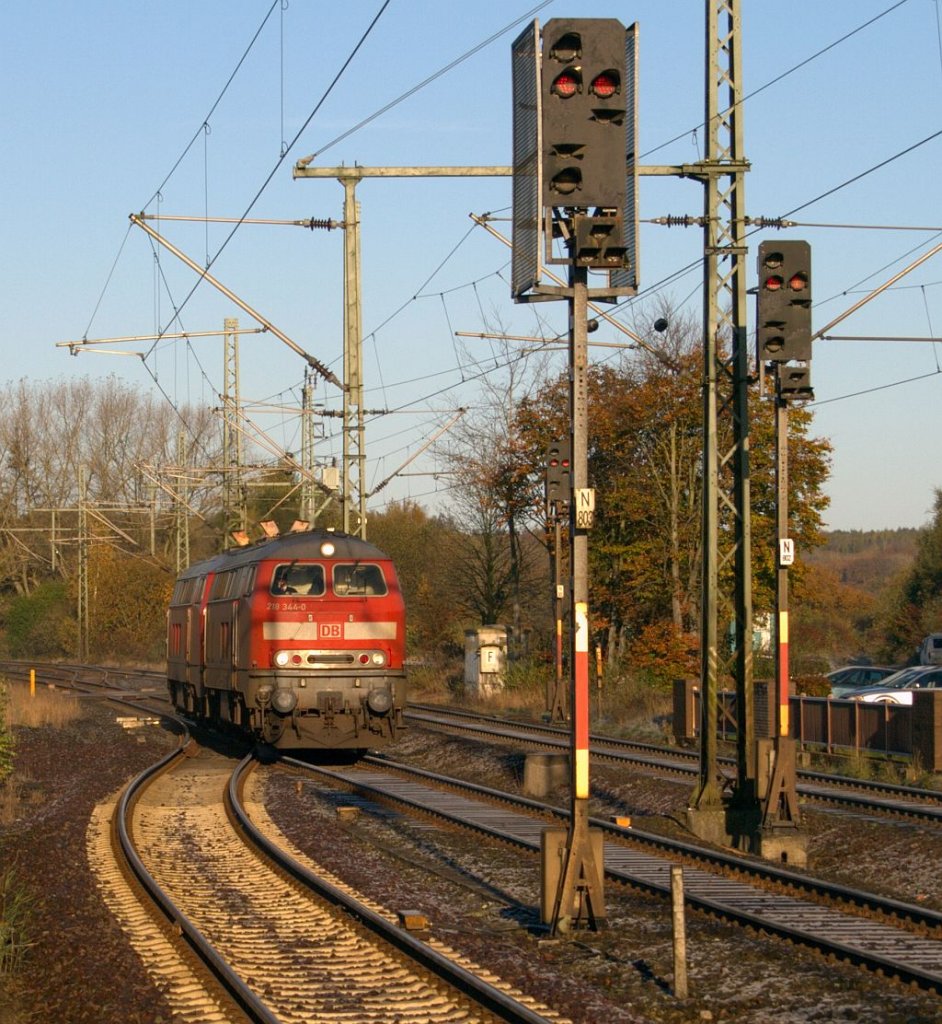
(784, 845)
(583, 906)
(709, 824)
(781, 838)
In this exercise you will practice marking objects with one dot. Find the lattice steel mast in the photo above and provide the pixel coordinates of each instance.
(726, 513)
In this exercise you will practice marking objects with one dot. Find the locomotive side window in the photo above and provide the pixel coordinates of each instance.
(220, 587)
(307, 580)
(357, 579)
(246, 580)
(250, 586)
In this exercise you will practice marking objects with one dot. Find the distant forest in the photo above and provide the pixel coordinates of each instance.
(869, 560)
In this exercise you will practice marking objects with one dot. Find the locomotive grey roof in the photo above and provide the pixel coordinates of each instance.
(306, 544)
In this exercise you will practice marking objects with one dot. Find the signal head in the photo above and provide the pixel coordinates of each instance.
(605, 85)
(567, 83)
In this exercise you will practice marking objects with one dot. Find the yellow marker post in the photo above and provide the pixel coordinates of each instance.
(32, 682)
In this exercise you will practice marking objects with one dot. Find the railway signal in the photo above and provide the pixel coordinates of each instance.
(583, 84)
(783, 320)
(558, 472)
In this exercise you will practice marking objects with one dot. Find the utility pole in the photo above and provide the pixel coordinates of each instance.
(783, 345)
(579, 897)
(83, 609)
(180, 508)
(308, 505)
(725, 402)
(354, 430)
(354, 494)
(574, 148)
(53, 542)
(233, 502)
(558, 499)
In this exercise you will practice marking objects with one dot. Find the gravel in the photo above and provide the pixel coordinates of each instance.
(481, 897)
(80, 967)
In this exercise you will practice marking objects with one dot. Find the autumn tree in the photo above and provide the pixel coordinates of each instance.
(494, 494)
(914, 607)
(646, 463)
(422, 548)
(830, 620)
(644, 447)
(128, 598)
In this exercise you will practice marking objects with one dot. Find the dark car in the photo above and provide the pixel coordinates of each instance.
(856, 677)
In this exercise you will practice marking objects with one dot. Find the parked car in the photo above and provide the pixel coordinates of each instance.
(930, 650)
(899, 688)
(856, 677)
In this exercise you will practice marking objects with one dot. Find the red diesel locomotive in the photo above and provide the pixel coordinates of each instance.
(297, 641)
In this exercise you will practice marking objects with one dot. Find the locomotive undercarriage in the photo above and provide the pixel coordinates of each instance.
(298, 712)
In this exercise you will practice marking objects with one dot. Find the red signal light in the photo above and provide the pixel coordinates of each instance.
(604, 85)
(773, 283)
(566, 84)
(797, 283)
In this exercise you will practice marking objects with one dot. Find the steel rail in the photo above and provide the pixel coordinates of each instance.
(486, 995)
(244, 997)
(653, 875)
(914, 802)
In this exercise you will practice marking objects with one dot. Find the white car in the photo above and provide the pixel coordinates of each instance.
(930, 650)
(898, 688)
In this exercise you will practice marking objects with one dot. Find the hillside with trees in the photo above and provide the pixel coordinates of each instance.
(866, 559)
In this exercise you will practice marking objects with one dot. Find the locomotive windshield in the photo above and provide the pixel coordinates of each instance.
(358, 580)
(298, 579)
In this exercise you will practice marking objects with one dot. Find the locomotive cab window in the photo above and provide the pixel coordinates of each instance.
(305, 580)
(358, 580)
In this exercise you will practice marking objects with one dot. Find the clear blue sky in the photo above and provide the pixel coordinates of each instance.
(100, 99)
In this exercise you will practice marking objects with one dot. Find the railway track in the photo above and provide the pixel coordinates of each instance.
(906, 950)
(284, 942)
(856, 794)
(869, 796)
(892, 938)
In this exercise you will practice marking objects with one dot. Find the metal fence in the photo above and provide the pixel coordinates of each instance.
(833, 726)
(845, 727)
(837, 726)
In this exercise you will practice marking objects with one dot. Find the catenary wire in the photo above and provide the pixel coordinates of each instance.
(428, 81)
(785, 74)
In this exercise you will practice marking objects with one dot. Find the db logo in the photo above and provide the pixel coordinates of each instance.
(331, 631)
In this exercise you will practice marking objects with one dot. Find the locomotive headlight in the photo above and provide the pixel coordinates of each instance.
(379, 701)
(281, 658)
(284, 701)
(379, 658)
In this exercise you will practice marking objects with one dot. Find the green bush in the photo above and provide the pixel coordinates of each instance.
(6, 735)
(41, 624)
(15, 907)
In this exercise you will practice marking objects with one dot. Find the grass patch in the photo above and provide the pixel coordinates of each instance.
(6, 734)
(15, 909)
(48, 706)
